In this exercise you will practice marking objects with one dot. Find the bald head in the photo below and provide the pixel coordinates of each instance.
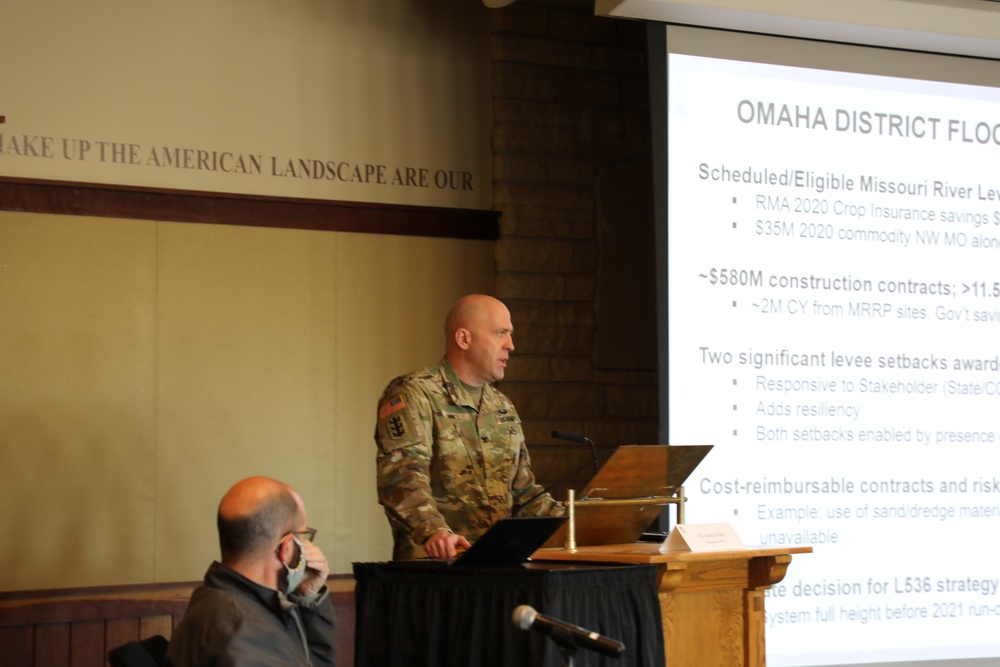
(253, 515)
(478, 338)
(469, 311)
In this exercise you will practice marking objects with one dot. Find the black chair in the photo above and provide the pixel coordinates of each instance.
(150, 652)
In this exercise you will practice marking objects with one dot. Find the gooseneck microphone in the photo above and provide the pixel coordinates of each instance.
(572, 437)
(526, 618)
(576, 437)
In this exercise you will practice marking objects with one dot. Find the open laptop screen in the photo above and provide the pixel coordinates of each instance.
(510, 542)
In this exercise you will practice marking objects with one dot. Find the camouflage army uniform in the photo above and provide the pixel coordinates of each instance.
(443, 464)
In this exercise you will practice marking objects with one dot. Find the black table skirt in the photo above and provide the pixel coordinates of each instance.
(411, 614)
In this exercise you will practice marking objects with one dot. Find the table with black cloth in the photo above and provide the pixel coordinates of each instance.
(416, 613)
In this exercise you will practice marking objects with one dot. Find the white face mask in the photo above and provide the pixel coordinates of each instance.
(294, 576)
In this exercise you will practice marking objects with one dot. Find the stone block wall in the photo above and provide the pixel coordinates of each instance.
(571, 169)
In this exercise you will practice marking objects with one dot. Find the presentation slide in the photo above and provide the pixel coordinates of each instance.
(833, 300)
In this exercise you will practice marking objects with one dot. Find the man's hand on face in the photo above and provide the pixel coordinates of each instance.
(445, 544)
(317, 570)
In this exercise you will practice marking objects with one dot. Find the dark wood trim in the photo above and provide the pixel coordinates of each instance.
(78, 626)
(96, 591)
(75, 609)
(117, 201)
(127, 601)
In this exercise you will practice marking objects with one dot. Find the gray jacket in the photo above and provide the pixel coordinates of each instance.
(231, 620)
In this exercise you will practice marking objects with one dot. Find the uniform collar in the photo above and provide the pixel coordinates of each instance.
(459, 395)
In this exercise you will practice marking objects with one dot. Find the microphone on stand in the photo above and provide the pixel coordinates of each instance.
(572, 437)
(577, 437)
(526, 618)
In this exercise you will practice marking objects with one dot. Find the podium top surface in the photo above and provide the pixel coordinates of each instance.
(649, 552)
(629, 491)
(642, 471)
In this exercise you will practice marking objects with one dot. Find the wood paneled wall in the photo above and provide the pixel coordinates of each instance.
(77, 627)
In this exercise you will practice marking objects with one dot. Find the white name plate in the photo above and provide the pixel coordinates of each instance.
(702, 537)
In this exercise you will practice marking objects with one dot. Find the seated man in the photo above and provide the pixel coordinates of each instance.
(266, 603)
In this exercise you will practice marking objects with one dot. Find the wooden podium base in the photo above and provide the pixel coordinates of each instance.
(711, 602)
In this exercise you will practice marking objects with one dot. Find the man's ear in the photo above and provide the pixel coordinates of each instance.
(286, 550)
(463, 338)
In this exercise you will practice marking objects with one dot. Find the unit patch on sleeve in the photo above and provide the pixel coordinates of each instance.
(396, 427)
(395, 423)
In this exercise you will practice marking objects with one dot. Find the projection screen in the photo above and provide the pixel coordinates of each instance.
(829, 269)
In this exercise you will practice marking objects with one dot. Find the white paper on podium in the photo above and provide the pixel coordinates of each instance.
(702, 537)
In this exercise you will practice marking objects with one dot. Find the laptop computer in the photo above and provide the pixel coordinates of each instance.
(510, 542)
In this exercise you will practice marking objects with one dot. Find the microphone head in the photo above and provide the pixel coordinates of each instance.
(572, 437)
(524, 616)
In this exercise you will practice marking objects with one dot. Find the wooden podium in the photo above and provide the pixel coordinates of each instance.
(711, 602)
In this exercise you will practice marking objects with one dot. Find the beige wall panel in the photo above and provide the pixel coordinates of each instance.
(77, 407)
(246, 376)
(392, 296)
(148, 366)
(251, 86)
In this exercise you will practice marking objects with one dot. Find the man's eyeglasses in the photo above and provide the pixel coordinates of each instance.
(308, 534)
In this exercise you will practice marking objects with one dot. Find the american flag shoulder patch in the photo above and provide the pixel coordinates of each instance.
(394, 404)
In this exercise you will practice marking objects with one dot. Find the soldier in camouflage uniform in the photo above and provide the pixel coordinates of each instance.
(451, 453)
